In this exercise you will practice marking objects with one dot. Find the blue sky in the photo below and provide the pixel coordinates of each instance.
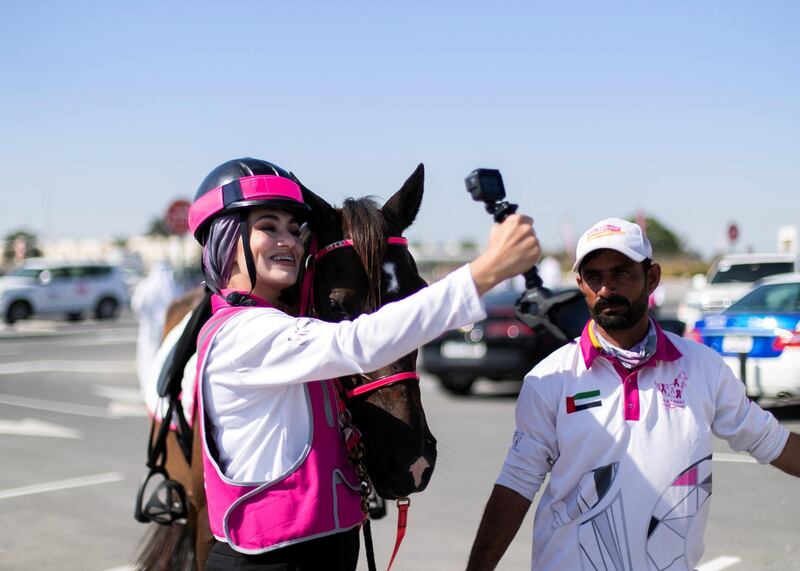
(689, 111)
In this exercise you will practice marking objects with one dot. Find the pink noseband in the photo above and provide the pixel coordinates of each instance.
(380, 383)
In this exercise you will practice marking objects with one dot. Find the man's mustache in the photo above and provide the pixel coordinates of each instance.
(605, 302)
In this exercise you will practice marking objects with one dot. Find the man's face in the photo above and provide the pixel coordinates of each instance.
(616, 289)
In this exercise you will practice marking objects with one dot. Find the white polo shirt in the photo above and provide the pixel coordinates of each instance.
(629, 453)
(259, 359)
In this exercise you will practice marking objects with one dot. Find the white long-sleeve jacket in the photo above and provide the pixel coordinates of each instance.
(257, 364)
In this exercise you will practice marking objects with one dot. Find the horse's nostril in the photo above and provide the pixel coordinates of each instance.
(418, 469)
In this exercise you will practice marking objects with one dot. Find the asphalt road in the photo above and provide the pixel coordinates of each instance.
(72, 443)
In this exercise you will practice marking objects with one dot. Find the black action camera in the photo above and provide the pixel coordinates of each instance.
(486, 185)
(537, 307)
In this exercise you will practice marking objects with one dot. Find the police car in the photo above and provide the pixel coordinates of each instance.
(759, 337)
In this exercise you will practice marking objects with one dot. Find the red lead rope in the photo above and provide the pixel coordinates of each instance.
(402, 519)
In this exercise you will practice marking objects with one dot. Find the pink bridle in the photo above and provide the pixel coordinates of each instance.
(384, 381)
(392, 241)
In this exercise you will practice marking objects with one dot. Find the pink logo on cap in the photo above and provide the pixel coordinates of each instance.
(607, 230)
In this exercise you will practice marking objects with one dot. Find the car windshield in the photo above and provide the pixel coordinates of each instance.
(773, 298)
(748, 273)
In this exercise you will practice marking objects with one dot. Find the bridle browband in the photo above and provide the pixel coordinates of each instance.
(392, 241)
(383, 381)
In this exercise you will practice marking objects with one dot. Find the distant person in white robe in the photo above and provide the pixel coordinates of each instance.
(550, 272)
(149, 302)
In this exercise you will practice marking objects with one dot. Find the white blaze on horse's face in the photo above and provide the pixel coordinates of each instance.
(393, 285)
(418, 469)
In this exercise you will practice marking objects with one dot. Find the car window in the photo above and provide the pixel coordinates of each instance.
(773, 298)
(748, 273)
(24, 273)
(54, 275)
(92, 271)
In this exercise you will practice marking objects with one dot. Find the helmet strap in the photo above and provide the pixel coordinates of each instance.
(244, 230)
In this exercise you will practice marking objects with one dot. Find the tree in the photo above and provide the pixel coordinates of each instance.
(18, 244)
(665, 242)
(157, 227)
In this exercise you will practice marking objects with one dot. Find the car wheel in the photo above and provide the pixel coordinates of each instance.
(18, 310)
(106, 308)
(457, 384)
(76, 316)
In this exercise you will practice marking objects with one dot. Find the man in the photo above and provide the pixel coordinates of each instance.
(623, 420)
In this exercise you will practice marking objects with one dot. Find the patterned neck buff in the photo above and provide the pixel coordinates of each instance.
(628, 358)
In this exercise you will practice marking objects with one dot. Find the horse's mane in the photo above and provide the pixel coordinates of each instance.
(363, 222)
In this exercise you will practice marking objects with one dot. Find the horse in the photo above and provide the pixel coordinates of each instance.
(361, 263)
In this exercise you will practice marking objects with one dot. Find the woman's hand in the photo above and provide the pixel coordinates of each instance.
(513, 249)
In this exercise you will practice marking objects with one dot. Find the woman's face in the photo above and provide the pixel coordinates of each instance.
(277, 253)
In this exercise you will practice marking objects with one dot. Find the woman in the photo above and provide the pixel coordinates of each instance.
(281, 491)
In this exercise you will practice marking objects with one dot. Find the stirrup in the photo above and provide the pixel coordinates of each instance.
(167, 504)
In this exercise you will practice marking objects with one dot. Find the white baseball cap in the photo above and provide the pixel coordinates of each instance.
(616, 234)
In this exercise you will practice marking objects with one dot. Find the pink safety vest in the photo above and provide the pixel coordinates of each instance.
(318, 496)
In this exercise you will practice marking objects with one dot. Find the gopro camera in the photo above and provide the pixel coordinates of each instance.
(537, 307)
(486, 185)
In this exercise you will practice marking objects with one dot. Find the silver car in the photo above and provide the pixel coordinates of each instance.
(41, 288)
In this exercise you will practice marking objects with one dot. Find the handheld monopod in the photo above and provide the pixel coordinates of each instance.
(537, 307)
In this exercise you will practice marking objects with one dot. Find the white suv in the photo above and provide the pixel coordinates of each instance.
(40, 288)
(728, 279)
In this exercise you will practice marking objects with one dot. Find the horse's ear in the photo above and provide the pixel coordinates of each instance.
(403, 206)
(320, 209)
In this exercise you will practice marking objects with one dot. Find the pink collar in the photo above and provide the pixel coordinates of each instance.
(665, 349)
(218, 300)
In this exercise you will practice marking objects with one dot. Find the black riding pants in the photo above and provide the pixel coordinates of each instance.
(337, 552)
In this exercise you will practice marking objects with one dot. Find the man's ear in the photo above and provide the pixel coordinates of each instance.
(653, 278)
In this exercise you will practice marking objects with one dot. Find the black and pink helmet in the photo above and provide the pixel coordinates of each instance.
(242, 184)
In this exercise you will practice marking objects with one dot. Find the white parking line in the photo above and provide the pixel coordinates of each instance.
(719, 563)
(101, 367)
(52, 406)
(106, 478)
(737, 458)
(120, 340)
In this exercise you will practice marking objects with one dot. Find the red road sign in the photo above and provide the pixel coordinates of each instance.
(177, 217)
(733, 232)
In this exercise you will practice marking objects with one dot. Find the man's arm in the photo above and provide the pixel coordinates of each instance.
(501, 520)
(789, 459)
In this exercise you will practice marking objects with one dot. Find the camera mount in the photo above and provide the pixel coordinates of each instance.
(538, 307)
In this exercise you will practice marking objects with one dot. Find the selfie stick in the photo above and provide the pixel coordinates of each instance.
(537, 307)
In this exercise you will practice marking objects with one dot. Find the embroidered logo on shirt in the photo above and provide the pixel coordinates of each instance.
(582, 401)
(672, 393)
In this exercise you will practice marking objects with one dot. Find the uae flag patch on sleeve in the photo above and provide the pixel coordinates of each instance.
(582, 401)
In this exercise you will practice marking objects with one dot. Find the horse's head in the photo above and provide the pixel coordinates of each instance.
(362, 265)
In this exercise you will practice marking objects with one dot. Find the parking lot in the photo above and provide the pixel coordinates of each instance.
(72, 439)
